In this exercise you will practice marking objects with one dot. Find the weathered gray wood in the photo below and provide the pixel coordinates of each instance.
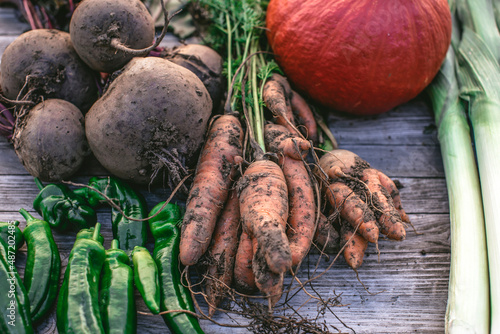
(395, 161)
(407, 280)
(10, 25)
(419, 195)
(409, 124)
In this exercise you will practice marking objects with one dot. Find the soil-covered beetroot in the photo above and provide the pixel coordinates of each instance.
(42, 64)
(96, 23)
(51, 141)
(152, 117)
(206, 63)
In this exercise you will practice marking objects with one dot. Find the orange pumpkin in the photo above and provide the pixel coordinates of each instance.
(359, 56)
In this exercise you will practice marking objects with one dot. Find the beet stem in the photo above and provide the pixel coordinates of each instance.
(117, 44)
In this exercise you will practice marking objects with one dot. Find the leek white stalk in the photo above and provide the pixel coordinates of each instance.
(479, 78)
(468, 292)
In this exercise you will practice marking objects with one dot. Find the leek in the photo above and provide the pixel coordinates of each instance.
(496, 11)
(468, 292)
(479, 78)
(478, 16)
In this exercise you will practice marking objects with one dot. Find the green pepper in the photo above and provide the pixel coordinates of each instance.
(11, 234)
(78, 303)
(116, 298)
(14, 303)
(62, 208)
(43, 266)
(88, 233)
(174, 295)
(146, 278)
(130, 233)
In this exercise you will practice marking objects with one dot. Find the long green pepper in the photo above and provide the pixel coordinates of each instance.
(12, 235)
(14, 304)
(146, 278)
(116, 298)
(174, 295)
(130, 233)
(78, 304)
(43, 266)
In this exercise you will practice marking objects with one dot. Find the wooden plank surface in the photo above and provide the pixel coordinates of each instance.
(404, 287)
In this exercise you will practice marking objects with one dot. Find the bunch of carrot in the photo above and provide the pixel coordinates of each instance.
(254, 208)
(251, 222)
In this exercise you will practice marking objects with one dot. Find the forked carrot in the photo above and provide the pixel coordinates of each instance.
(388, 216)
(353, 209)
(380, 193)
(391, 188)
(302, 208)
(263, 198)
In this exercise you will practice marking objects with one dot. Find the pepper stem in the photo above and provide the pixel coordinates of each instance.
(97, 230)
(115, 244)
(38, 183)
(29, 218)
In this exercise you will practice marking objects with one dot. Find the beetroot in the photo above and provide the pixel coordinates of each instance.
(152, 118)
(50, 142)
(96, 24)
(42, 64)
(206, 63)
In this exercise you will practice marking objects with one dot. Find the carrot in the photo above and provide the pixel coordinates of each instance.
(244, 279)
(355, 246)
(326, 236)
(389, 185)
(222, 253)
(388, 217)
(284, 143)
(302, 208)
(378, 189)
(263, 195)
(277, 95)
(305, 116)
(214, 175)
(353, 209)
(268, 282)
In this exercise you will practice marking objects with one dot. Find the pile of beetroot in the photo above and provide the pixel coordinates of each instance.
(144, 123)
